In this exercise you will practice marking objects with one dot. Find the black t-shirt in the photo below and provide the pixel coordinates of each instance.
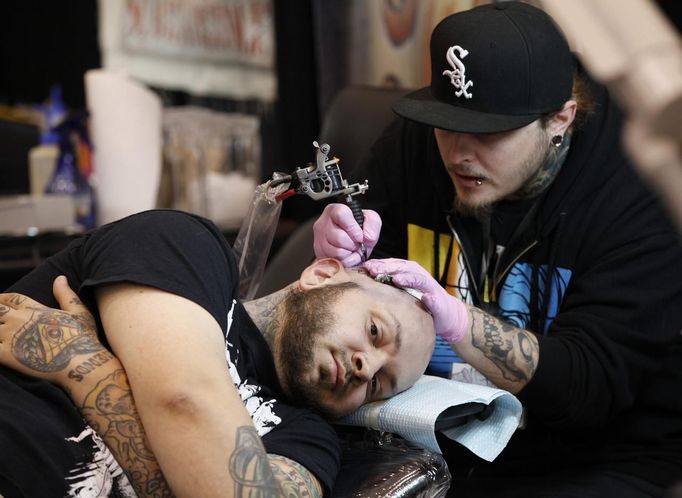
(46, 447)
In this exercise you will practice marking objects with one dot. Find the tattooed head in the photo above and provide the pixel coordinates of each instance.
(350, 340)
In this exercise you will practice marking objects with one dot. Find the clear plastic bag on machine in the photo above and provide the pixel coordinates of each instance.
(256, 233)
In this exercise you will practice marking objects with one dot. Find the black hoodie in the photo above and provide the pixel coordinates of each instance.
(607, 393)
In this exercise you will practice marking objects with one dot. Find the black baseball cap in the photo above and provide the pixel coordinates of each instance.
(494, 68)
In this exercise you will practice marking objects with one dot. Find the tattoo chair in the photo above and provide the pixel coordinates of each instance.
(373, 465)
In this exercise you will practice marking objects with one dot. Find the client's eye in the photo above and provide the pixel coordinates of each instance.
(374, 385)
(373, 330)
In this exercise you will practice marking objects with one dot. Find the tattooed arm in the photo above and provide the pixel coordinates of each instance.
(62, 347)
(506, 355)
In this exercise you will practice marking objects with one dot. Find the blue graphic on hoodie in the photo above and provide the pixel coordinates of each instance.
(514, 297)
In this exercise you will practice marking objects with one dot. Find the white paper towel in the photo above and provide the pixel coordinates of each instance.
(413, 414)
(125, 130)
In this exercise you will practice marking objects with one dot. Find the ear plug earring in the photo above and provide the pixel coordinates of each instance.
(557, 140)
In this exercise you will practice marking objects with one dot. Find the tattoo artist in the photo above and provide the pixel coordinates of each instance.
(548, 265)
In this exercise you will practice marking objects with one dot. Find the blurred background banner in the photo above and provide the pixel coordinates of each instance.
(217, 47)
(389, 41)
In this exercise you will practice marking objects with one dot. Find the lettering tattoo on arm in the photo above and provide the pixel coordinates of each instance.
(79, 372)
(512, 350)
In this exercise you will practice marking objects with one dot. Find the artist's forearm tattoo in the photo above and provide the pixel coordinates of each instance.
(48, 341)
(250, 467)
(110, 410)
(512, 350)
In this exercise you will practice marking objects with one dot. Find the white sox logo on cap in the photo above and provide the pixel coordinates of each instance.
(457, 74)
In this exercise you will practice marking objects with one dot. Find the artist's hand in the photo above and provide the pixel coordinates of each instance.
(338, 235)
(41, 342)
(450, 315)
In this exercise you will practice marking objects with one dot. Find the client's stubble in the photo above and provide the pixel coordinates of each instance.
(305, 317)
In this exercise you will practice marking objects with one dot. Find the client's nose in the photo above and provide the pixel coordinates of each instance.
(363, 368)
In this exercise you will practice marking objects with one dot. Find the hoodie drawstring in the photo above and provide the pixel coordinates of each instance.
(543, 316)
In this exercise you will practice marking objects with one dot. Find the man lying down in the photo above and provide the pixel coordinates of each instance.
(153, 318)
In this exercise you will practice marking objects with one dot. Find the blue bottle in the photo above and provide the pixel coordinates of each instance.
(68, 179)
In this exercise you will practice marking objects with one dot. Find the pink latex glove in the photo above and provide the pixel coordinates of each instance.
(338, 235)
(450, 315)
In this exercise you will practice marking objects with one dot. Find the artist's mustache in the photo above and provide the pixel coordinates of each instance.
(464, 169)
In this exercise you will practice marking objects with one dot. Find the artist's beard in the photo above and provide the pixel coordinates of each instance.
(478, 211)
(537, 173)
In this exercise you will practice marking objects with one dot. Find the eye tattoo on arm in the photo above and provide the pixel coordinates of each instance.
(48, 341)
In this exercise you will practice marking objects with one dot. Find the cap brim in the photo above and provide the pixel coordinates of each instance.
(421, 106)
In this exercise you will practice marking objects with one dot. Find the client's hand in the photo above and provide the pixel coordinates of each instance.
(41, 342)
(338, 235)
(450, 315)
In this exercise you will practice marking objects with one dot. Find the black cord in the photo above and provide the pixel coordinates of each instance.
(280, 181)
(355, 207)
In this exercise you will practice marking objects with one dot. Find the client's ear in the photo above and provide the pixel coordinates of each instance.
(322, 272)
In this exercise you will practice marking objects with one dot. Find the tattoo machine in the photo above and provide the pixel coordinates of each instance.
(322, 180)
